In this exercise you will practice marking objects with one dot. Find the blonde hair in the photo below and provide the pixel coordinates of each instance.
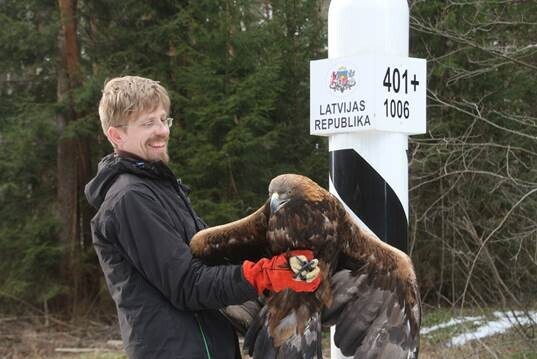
(126, 96)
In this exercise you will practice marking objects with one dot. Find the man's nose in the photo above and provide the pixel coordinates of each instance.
(162, 129)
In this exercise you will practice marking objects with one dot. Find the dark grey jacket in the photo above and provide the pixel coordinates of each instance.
(165, 299)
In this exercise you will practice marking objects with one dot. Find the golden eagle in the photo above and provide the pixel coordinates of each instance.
(368, 288)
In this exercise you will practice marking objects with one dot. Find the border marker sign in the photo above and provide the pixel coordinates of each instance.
(363, 93)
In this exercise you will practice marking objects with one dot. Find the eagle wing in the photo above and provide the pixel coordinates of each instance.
(375, 300)
(234, 242)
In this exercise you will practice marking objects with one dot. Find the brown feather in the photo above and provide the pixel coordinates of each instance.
(234, 242)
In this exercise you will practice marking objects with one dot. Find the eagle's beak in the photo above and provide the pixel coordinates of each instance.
(276, 202)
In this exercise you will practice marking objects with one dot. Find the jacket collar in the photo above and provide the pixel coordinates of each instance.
(117, 163)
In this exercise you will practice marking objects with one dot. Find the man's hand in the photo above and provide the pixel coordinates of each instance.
(296, 270)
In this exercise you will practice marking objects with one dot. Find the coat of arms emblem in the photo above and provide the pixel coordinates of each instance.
(342, 79)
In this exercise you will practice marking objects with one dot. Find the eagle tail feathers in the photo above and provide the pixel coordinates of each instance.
(286, 340)
(304, 346)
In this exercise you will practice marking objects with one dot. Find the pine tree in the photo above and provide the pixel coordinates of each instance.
(29, 251)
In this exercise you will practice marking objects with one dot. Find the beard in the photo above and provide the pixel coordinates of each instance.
(164, 157)
(161, 155)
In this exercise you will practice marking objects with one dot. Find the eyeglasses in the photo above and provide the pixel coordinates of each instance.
(168, 122)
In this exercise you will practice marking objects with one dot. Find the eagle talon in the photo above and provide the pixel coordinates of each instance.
(304, 269)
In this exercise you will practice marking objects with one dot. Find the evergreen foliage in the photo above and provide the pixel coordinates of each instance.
(29, 252)
(237, 74)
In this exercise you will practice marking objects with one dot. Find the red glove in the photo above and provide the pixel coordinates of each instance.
(276, 275)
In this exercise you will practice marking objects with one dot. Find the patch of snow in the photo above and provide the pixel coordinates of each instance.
(504, 321)
(450, 323)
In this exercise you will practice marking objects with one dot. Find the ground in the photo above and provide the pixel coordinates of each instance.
(33, 337)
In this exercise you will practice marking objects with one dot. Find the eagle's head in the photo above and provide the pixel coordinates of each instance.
(288, 187)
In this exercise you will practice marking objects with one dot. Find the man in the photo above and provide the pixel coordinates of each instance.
(166, 300)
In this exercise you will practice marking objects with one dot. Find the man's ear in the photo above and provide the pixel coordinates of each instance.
(116, 136)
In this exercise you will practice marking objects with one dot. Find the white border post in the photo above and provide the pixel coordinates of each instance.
(368, 96)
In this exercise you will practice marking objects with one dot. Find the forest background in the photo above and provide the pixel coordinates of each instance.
(238, 74)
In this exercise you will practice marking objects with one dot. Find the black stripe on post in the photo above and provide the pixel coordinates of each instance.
(369, 196)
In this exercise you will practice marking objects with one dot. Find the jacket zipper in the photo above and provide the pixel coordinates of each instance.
(203, 337)
(183, 196)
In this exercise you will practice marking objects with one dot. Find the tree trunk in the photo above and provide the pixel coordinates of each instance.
(72, 159)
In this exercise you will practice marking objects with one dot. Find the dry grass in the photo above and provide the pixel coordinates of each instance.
(30, 337)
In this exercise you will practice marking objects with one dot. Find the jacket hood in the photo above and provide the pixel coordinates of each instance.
(115, 164)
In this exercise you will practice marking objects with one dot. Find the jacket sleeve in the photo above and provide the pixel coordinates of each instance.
(157, 250)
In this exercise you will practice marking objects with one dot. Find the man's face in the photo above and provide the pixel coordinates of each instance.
(146, 136)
